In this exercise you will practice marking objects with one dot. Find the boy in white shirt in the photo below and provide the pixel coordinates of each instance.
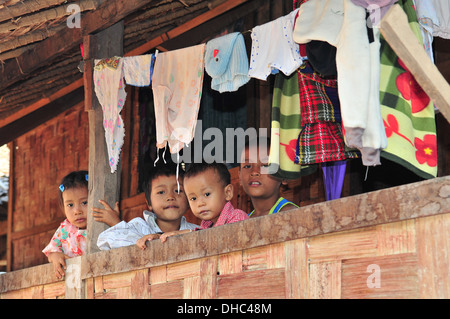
(167, 204)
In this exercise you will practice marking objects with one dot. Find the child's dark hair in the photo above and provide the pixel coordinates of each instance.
(257, 141)
(196, 168)
(74, 179)
(168, 169)
(254, 141)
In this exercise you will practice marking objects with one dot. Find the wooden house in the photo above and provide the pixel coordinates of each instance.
(390, 223)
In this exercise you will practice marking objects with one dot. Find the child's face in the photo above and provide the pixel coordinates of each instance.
(167, 202)
(253, 173)
(207, 195)
(75, 202)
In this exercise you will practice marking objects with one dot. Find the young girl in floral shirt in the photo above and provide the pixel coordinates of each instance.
(69, 239)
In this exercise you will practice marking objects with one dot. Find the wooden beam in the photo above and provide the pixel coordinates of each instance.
(214, 26)
(41, 103)
(88, 75)
(397, 32)
(107, 14)
(220, 9)
(40, 115)
(36, 230)
(102, 183)
(11, 199)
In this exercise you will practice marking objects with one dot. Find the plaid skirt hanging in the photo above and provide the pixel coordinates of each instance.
(321, 138)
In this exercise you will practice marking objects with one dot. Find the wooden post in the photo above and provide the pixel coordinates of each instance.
(395, 29)
(11, 200)
(102, 184)
(73, 285)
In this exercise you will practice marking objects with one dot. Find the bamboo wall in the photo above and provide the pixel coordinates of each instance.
(391, 243)
(41, 158)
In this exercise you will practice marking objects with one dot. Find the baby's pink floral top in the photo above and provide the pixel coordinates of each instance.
(68, 239)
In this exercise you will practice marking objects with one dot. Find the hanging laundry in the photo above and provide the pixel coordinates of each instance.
(221, 111)
(321, 139)
(110, 91)
(434, 15)
(426, 14)
(226, 62)
(177, 88)
(286, 127)
(273, 49)
(138, 70)
(333, 177)
(322, 57)
(408, 113)
(434, 20)
(343, 24)
(109, 85)
(376, 8)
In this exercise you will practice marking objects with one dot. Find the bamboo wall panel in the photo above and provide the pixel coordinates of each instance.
(230, 263)
(305, 268)
(325, 280)
(171, 290)
(50, 291)
(300, 268)
(43, 157)
(433, 244)
(133, 285)
(347, 244)
(297, 268)
(398, 277)
(396, 238)
(266, 283)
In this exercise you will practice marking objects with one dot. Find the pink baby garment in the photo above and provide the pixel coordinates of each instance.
(177, 88)
(110, 91)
